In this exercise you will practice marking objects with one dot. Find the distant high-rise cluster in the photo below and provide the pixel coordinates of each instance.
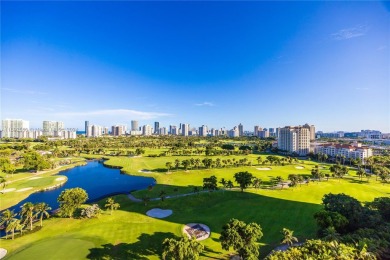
(18, 128)
(13, 127)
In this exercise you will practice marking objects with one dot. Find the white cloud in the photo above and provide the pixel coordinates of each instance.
(21, 91)
(209, 104)
(124, 113)
(348, 33)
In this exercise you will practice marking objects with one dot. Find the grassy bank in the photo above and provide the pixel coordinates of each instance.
(20, 187)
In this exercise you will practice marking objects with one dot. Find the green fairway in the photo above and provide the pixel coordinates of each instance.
(130, 233)
(59, 248)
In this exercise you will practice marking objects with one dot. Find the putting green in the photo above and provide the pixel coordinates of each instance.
(59, 248)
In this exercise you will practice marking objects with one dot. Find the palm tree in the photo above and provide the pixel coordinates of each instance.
(41, 210)
(6, 217)
(12, 226)
(145, 199)
(256, 183)
(112, 205)
(279, 180)
(196, 189)
(197, 163)
(162, 195)
(177, 164)
(229, 184)
(361, 172)
(3, 182)
(20, 226)
(288, 238)
(168, 165)
(28, 213)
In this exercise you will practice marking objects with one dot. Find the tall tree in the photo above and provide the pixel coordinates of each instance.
(14, 223)
(210, 183)
(111, 204)
(41, 210)
(288, 237)
(242, 238)
(181, 249)
(168, 165)
(70, 200)
(27, 213)
(6, 217)
(162, 195)
(244, 179)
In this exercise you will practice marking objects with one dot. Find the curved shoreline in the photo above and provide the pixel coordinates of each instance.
(42, 189)
(83, 164)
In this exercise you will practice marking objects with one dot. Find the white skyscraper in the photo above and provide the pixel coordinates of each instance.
(294, 139)
(203, 130)
(184, 129)
(147, 130)
(52, 128)
(12, 127)
(312, 131)
(134, 125)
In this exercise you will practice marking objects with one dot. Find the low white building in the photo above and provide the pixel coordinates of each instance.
(354, 151)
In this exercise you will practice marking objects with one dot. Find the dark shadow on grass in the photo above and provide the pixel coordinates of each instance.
(207, 251)
(159, 170)
(214, 209)
(146, 246)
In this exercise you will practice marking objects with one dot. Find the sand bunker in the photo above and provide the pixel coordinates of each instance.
(159, 213)
(24, 189)
(144, 171)
(60, 178)
(264, 169)
(34, 178)
(299, 167)
(3, 252)
(8, 190)
(197, 230)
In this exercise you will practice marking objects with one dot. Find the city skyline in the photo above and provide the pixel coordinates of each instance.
(218, 64)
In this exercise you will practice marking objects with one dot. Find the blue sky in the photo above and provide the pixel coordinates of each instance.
(214, 63)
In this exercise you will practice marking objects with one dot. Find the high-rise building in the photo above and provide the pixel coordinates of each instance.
(294, 139)
(156, 127)
(172, 130)
(52, 128)
(184, 129)
(241, 130)
(95, 131)
(312, 131)
(263, 133)
(203, 130)
(11, 127)
(277, 132)
(146, 130)
(234, 132)
(86, 128)
(134, 125)
(256, 130)
(117, 130)
(271, 131)
(163, 131)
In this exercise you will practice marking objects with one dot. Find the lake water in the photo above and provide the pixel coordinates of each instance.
(99, 181)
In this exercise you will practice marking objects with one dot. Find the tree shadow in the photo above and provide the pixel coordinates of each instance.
(160, 170)
(146, 246)
(206, 253)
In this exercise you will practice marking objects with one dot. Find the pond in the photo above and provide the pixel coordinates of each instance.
(98, 180)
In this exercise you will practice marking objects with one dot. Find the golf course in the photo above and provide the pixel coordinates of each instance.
(129, 233)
